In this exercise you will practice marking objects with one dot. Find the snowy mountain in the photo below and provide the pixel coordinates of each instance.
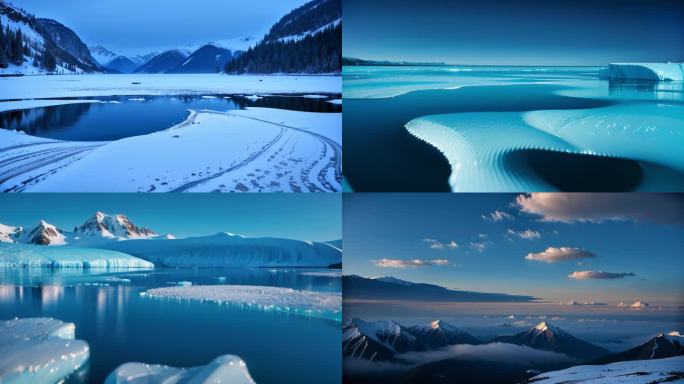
(229, 250)
(164, 62)
(9, 234)
(42, 234)
(39, 46)
(439, 334)
(306, 40)
(389, 288)
(117, 227)
(102, 55)
(117, 62)
(659, 347)
(377, 341)
(551, 338)
(629, 372)
(207, 59)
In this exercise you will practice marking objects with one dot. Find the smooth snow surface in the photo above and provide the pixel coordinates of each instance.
(225, 250)
(254, 150)
(39, 350)
(229, 369)
(669, 370)
(40, 256)
(647, 71)
(29, 87)
(307, 303)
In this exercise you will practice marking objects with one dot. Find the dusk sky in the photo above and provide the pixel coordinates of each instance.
(617, 248)
(138, 27)
(315, 217)
(526, 32)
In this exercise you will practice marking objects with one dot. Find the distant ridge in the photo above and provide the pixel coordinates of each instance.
(362, 62)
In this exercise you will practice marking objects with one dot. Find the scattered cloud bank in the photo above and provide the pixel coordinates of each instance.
(587, 303)
(436, 244)
(478, 246)
(599, 207)
(528, 234)
(406, 263)
(638, 305)
(553, 254)
(497, 216)
(586, 275)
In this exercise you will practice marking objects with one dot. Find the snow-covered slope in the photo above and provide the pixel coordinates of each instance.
(207, 59)
(164, 62)
(440, 334)
(549, 337)
(39, 256)
(647, 71)
(39, 350)
(9, 234)
(668, 370)
(117, 62)
(228, 250)
(377, 341)
(42, 234)
(116, 227)
(224, 369)
(662, 346)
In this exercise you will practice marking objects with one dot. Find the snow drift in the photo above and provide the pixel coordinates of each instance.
(633, 372)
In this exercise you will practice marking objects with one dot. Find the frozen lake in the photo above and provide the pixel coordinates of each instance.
(121, 326)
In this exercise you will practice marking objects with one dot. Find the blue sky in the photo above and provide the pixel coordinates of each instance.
(141, 26)
(314, 217)
(647, 241)
(504, 32)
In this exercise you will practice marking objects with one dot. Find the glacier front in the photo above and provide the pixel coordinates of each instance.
(39, 350)
(40, 256)
(224, 369)
(229, 250)
(647, 71)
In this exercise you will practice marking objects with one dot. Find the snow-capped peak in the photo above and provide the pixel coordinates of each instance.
(8, 234)
(113, 227)
(545, 326)
(43, 234)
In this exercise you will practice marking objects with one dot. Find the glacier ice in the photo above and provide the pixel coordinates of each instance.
(40, 256)
(39, 350)
(228, 250)
(224, 369)
(308, 303)
(647, 71)
(632, 372)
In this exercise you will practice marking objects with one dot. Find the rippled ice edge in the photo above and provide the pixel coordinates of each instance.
(635, 143)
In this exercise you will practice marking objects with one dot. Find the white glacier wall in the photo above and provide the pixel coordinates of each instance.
(40, 256)
(39, 350)
(224, 369)
(228, 250)
(647, 71)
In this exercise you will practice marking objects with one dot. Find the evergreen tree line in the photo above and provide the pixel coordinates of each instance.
(306, 18)
(319, 53)
(14, 47)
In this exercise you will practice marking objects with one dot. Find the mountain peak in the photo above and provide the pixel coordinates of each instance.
(545, 326)
(113, 227)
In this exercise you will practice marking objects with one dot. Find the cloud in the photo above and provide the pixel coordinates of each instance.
(590, 303)
(553, 254)
(585, 275)
(435, 244)
(637, 305)
(599, 207)
(404, 263)
(497, 216)
(528, 234)
(478, 246)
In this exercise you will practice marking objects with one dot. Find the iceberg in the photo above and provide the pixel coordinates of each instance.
(647, 71)
(633, 372)
(224, 369)
(39, 350)
(229, 250)
(40, 256)
(307, 303)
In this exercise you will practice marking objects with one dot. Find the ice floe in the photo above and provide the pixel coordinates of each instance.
(308, 303)
(40, 256)
(39, 350)
(224, 369)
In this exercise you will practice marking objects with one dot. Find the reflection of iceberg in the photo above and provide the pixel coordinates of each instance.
(223, 369)
(647, 71)
(39, 350)
(307, 303)
(39, 256)
(638, 146)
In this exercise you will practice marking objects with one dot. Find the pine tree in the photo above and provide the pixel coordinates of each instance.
(49, 61)
(3, 42)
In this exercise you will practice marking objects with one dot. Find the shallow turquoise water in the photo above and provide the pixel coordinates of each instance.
(121, 326)
(508, 129)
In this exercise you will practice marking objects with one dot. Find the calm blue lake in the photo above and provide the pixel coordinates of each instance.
(118, 117)
(121, 326)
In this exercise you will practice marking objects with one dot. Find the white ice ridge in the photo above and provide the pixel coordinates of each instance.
(632, 372)
(224, 369)
(30, 87)
(307, 303)
(40, 256)
(39, 350)
(479, 146)
(647, 71)
(254, 150)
